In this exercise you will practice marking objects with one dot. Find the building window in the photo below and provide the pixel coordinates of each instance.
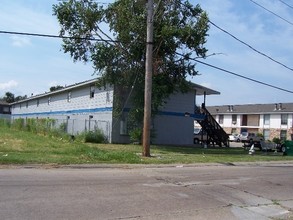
(38, 102)
(92, 91)
(244, 120)
(266, 134)
(221, 119)
(284, 119)
(26, 104)
(19, 105)
(5, 109)
(234, 119)
(266, 119)
(69, 96)
(283, 135)
(107, 97)
(49, 100)
(123, 124)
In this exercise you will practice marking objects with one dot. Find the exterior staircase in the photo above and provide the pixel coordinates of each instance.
(215, 133)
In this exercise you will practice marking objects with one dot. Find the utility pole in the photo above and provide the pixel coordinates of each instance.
(148, 81)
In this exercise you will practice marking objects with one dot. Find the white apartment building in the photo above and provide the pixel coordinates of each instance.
(84, 107)
(271, 120)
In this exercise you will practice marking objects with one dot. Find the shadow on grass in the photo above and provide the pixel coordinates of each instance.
(199, 150)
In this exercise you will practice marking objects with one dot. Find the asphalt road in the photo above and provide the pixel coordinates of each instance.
(214, 191)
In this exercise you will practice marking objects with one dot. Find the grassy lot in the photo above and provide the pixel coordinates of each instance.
(20, 147)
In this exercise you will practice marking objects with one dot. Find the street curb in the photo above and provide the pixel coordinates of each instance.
(142, 166)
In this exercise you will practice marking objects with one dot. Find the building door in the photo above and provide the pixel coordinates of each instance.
(244, 120)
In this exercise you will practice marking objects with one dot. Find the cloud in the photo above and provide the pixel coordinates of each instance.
(8, 85)
(18, 41)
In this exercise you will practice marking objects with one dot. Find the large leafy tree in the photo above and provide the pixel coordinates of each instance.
(113, 38)
(9, 97)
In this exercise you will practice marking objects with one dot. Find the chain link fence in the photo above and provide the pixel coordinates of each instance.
(77, 126)
(70, 126)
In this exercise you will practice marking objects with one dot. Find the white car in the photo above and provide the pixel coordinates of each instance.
(234, 137)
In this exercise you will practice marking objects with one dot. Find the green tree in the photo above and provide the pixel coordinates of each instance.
(54, 88)
(9, 97)
(113, 38)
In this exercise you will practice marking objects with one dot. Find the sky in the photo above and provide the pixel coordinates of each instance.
(31, 65)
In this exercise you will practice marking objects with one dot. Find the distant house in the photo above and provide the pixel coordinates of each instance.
(270, 120)
(4, 109)
(83, 107)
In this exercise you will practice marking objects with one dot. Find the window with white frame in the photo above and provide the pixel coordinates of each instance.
(49, 100)
(123, 125)
(69, 96)
(234, 119)
(92, 91)
(283, 135)
(221, 119)
(38, 102)
(266, 119)
(284, 119)
(266, 134)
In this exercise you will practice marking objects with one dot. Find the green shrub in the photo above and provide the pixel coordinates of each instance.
(276, 140)
(136, 135)
(96, 136)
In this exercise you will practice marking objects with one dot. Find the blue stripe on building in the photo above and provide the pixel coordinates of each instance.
(76, 111)
(106, 109)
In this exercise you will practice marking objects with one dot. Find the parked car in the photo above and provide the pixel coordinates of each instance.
(234, 137)
(251, 138)
(199, 136)
(246, 137)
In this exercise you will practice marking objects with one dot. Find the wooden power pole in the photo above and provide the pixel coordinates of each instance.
(148, 81)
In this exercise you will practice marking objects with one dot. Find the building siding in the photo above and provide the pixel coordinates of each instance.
(175, 120)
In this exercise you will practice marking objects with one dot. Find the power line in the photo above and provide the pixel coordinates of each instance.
(286, 4)
(244, 77)
(261, 53)
(103, 3)
(236, 74)
(246, 44)
(56, 36)
(289, 22)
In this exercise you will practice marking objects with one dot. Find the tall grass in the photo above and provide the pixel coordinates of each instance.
(48, 127)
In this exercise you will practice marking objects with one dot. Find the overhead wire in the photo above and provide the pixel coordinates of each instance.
(241, 76)
(55, 36)
(252, 48)
(289, 22)
(286, 4)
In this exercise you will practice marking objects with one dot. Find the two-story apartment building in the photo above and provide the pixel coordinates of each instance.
(270, 120)
(83, 107)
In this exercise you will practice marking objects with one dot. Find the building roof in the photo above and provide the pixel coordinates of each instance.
(200, 90)
(272, 108)
(80, 84)
(3, 102)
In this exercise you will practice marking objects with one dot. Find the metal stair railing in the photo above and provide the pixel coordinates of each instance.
(215, 132)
